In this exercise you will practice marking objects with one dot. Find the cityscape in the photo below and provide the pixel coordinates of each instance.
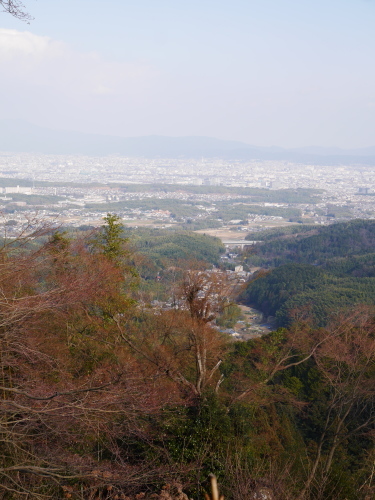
(80, 190)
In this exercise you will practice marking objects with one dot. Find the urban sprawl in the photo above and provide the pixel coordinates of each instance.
(79, 190)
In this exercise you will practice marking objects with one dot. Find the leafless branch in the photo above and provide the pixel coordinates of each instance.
(16, 9)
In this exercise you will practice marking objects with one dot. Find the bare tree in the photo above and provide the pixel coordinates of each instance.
(68, 388)
(179, 348)
(16, 9)
(180, 344)
(205, 293)
(346, 363)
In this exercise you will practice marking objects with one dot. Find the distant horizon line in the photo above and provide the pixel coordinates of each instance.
(189, 136)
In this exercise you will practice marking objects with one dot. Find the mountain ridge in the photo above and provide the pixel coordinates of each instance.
(19, 136)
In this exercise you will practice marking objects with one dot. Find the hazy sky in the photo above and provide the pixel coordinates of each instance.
(268, 72)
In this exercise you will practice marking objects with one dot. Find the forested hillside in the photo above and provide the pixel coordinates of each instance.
(316, 245)
(165, 248)
(103, 397)
(319, 271)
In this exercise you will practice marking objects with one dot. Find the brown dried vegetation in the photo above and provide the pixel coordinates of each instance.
(101, 399)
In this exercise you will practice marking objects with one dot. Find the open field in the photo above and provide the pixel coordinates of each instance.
(226, 233)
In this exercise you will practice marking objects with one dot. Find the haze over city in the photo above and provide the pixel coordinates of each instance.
(289, 74)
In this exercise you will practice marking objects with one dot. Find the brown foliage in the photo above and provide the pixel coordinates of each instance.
(69, 384)
(181, 348)
(347, 362)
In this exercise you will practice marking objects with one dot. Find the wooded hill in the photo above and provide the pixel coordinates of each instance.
(317, 271)
(165, 248)
(103, 397)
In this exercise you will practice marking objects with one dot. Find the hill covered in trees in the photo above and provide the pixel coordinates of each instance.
(165, 248)
(104, 397)
(317, 270)
(315, 244)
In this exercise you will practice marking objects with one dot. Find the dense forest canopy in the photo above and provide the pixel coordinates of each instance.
(166, 248)
(316, 244)
(321, 270)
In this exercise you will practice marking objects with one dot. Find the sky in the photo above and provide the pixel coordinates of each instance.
(287, 73)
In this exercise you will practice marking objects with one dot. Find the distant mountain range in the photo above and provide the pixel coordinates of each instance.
(20, 136)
